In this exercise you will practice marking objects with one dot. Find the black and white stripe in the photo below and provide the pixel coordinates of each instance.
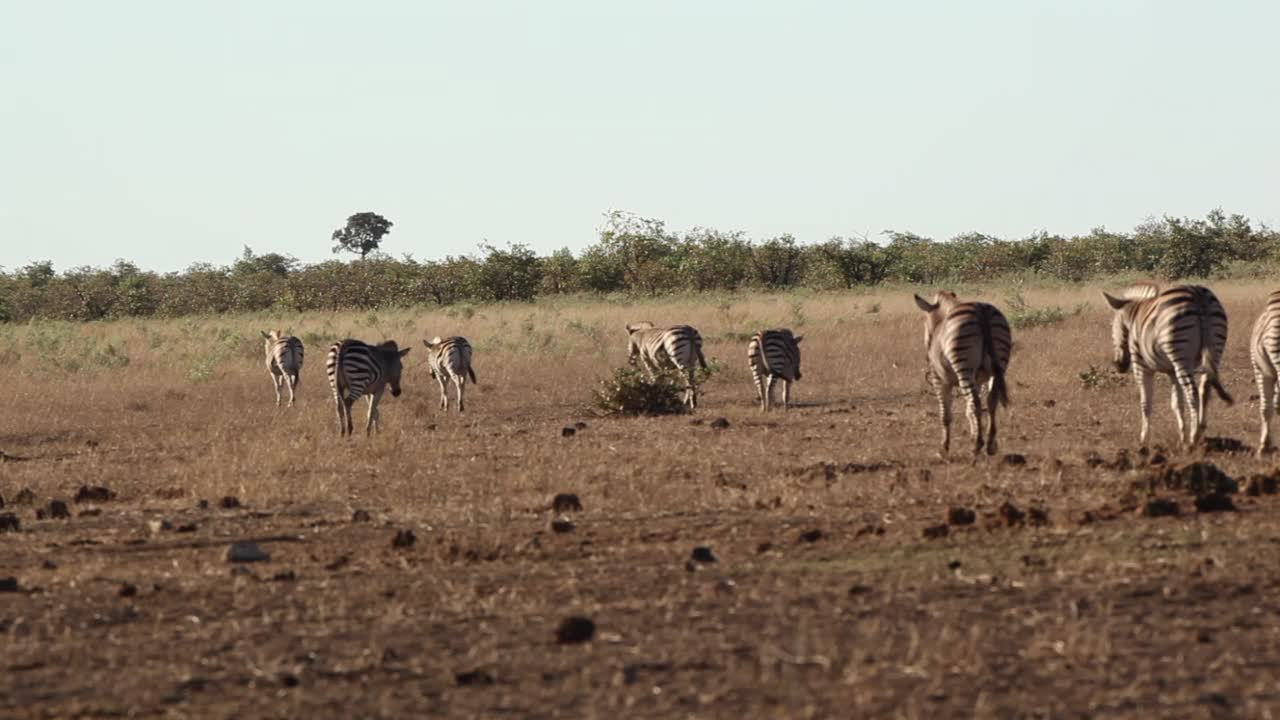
(450, 361)
(355, 369)
(679, 346)
(967, 345)
(1264, 351)
(1180, 332)
(284, 361)
(774, 355)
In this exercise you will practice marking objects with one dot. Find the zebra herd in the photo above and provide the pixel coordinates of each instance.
(1179, 331)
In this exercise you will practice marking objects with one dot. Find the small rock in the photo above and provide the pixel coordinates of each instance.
(230, 502)
(9, 523)
(288, 679)
(473, 678)
(58, 510)
(404, 539)
(961, 516)
(859, 589)
(9, 585)
(936, 532)
(566, 502)
(1014, 460)
(703, 555)
(953, 565)
(361, 516)
(812, 536)
(575, 630)
(1050, 403)
(562, 524)
(95, 493)
(128, 590)
(245, 552)
(764, 547)
(24, 497)
(720, 423)
(1215, 502)
(49, 565)
(568, 432)
(1161, 507)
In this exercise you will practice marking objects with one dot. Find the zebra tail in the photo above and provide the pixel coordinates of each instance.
(702, 360)
(999, 390)
(1206, 353)
(472, 373)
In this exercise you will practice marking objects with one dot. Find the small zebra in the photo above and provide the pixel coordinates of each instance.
(967, 345)
(1180, 332)
(679, 346)
(1264, 349)
(284, 361)
(774, 354)
(356, 368)
(449, 359)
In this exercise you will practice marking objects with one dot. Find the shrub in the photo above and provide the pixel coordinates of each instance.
(631, 392)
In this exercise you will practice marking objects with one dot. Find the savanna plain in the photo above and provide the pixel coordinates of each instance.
(846, 570)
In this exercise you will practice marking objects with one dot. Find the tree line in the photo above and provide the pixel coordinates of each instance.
(633, 255)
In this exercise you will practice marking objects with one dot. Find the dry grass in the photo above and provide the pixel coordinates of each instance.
(1120, 616)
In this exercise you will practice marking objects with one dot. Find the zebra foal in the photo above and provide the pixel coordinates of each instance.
(1180, 332)
(774, 355)
(967, 345)
(449, 360)
(679, 346)
(284, 361)
(358, 369)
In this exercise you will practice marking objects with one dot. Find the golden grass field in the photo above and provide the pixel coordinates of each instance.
(829, 599)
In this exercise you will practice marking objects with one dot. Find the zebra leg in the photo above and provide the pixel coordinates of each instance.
(1266, 402)
(344, 412)
(275, 383)
(372, 421)
(759, 383)
(692, 392)
(1146, 386)
(1202, 392)
(293, 382)
(974, 410)
(460, 382)
(943, 392)
(991, 422)
(767, 402)
(1194, 411)
(786, 394)
(1176, 401)
(444, 395)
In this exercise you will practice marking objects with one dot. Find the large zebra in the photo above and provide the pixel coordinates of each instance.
(284, 361)
(450, 361)
(1180, 332)
(655, 348)
(967, 344)
(1264, 350)
(356, 368)
(774, 354)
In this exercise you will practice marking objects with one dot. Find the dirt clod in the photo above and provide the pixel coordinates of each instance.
(579, 426)
(562, 524)
(1161, 507)
(58, 510)
(9, 523)
(703, 554)
(473, 678)
(812, 536)
(1014, 460)
(720, 423)
(361, 516)
(1038, 516)
(1199, 478)
(128, 590)
(1215, 502)
(404, 539)
(1011, 515)
(9, 585)
(961, 516)
(94, 493)
(936, 532)
(245, 552)
(566, 502)
(1262, 485)
(1226, 446)
(568, 432)
(230, 502)
(576, 629)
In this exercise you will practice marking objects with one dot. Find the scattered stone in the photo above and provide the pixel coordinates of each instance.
(1161, 507)
(230, 502)
(9, 523)
(404, 539)
(703, 555)
(128, 590)
(95, 493)
(1229, 446)
(9, 585)
(568, 432)
(474, 678)
(961, 516)
(361, 516)
(1199, 478)
(1262, 485)
(720, 423)
(1014, 460)
(246, 552)
(812, 536)
(24, 497)
(566, 502)
(58, 510)
(1011, 515)
(1038, 516)
(574, 630)
(580, 426)
(562, 524)
(936, 532)
(1215, 502)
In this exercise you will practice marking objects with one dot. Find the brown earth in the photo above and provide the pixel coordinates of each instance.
(841, 569)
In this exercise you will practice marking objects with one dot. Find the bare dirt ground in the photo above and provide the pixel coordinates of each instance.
(844, 577)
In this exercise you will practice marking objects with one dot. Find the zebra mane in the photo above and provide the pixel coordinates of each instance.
(1141, 290)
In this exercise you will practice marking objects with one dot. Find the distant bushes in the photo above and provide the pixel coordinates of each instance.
(635, 255)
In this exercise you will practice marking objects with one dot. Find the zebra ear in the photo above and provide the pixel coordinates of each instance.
(264, 334)
(925, 305)
(1115, 302)
(405, 352)
(799, 338)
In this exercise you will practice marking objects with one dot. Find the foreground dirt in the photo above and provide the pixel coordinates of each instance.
(822, 563)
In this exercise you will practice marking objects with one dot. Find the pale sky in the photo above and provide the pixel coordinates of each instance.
(173, 132)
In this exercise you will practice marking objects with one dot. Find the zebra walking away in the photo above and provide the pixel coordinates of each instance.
(774, 355)
(967, 345)
(450, 361)
(1180, 332)
(284, 361)
(355, 369)
(1264, 350)
(679, 346)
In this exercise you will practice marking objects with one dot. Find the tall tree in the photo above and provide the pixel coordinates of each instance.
(362, 234)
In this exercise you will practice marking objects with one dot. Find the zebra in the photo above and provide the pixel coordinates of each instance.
(774, 354)
(356, 368)
(1264, 350)
(655, 348)
(1180, 332)
(284, 361)
(449, 359)
(967, 345)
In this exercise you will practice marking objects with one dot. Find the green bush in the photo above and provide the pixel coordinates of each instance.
(631, 392)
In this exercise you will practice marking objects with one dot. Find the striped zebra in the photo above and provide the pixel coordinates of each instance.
(356, 368)
(449, 360)
(774, 354)
(1264, 350)
(284, 361)
(1180, 332)
(967, 345)
(679, 346)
